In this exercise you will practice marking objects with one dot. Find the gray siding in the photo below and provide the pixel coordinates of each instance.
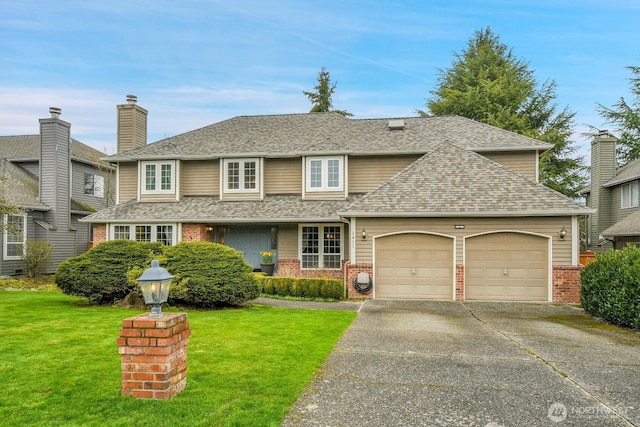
(77, 186)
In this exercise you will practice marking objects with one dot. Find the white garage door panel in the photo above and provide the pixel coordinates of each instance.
(507, 266)
(414, 265)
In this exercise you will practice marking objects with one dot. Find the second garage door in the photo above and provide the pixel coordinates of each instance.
(414, 266)
(507, 267)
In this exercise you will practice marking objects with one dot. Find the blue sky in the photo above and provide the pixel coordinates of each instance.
(195, 62)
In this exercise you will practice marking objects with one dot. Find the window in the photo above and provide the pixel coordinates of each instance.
(93, 185)
(324, 174)
(241, 176)
(630, 195)
(158, 177)
(144, 233)
(321, 246)
(15, 236)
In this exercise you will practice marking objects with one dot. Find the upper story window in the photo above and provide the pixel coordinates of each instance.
(241, 175)
(630, 195)
(93, 185)
(324, 174)
(158, 177)
(15, 236)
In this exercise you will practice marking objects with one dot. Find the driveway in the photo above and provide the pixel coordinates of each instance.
(432, 363)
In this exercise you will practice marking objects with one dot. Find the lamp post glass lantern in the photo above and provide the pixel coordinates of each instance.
(155, 283)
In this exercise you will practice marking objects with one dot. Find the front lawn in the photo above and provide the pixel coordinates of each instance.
(59, 364)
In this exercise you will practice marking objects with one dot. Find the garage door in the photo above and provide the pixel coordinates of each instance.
(414, 266)
(506, 267)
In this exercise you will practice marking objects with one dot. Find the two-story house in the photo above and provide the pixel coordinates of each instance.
(54, 180)
(429, 207)
(613, 194)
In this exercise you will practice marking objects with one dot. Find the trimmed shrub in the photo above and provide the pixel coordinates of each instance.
(611, 287)
(37, 256)
(100, 275)
(304, 287)
(209, 275)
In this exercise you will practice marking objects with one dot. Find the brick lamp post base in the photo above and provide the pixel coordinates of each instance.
(154, 355)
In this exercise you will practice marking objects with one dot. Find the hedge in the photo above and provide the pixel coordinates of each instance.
(303, 287)
(100, 275)
(611, 287)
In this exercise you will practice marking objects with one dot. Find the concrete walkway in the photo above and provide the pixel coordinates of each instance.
(424, 363)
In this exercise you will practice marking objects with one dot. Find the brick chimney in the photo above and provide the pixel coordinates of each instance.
(132, 125)
(55, 169)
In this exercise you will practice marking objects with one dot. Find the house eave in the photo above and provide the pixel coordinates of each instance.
(458, 214)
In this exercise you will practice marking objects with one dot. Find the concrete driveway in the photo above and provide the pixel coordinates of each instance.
(424, 363)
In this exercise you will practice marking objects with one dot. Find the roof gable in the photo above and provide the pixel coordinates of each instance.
(455, 181)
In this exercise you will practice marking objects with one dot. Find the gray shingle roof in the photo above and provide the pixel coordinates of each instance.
(20, 186)
(27, 148)
(452, 181)
(209, 209)
(298, 134)
(628, 226)
(624, 174)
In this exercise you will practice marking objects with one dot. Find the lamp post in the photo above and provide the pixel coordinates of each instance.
(155, 283)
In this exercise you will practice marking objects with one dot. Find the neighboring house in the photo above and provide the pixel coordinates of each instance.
(434, 207)
(613, 193)
(54, 180)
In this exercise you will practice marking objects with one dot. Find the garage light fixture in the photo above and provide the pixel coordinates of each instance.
(364, 234)
(563, 233)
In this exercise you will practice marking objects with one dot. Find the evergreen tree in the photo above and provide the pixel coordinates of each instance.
(627, 119)
(321, 98)
(488, 83)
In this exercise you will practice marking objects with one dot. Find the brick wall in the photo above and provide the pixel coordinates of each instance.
(291, 268)
(459, 282)
(196, 233)
(352, 273)
(99, 233)
(566, 283)
(154, 355)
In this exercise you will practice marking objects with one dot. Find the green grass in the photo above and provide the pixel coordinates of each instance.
(59, 364)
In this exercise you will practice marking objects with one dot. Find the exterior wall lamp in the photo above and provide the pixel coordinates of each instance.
(563, 233)
(364, 234)
(209, 228)
(155, 283)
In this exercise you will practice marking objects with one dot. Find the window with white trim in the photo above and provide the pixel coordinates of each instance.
(630, 195)
(241, 175)
(158, 177)
(321, 246)
(161, 233)
(324, 174)
(94, 185)
(15, 236)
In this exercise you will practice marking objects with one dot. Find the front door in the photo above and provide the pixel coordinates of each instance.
(250, 240)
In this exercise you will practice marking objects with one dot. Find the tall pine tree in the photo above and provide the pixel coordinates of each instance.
(488, 83)
(321, 98)
(626, 117)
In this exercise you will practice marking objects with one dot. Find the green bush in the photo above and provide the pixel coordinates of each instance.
(303, 287)
(37, 256)
(100, 275)
(209, 275)
(611, 287)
